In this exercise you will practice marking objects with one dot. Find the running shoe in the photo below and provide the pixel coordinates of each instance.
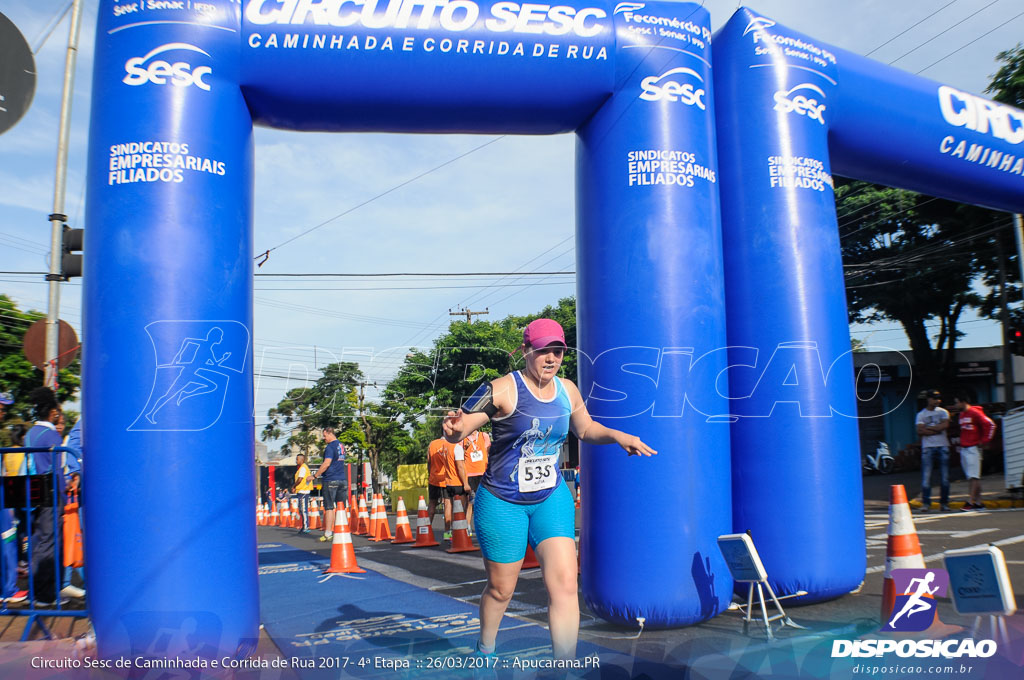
(326, 537)
(17, 598)
(944, 508)
(72, 591)
(447, 535)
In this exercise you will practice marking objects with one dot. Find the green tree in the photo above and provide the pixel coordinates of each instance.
(909, 258)
(330, 402)
(1007, 84)
(17, 375)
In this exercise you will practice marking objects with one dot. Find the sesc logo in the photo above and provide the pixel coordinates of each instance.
(801, 104)
(141, 70)
(657, 88)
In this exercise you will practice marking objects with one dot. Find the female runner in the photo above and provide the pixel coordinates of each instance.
(522, 497)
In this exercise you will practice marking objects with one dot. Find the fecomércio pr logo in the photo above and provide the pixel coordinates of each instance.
(915, 606)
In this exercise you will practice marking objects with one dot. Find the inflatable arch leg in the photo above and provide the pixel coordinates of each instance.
(170, 529)
(651, 312)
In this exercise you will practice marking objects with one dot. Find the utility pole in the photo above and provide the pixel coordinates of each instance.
(366, 430)
(468, 313)
(1008, 377)
(57, 218)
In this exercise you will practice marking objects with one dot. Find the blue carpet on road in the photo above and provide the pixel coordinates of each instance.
(366, 625)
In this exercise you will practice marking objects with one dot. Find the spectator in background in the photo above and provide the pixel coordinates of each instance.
(72, 540)
(335, 481)
(437, 481)
(976, 429)
(44, 542)
(8, 537)
(303, 486)
(932, 423)
(475, 448)
(456, 481)
(73, 460)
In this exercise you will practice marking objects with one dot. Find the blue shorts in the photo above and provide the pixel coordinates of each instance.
(503, 528)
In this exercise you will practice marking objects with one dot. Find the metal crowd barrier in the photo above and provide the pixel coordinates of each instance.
(31, 493)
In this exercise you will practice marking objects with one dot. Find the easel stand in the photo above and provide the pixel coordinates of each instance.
(997, 626)
(748, 610)
(746, 567)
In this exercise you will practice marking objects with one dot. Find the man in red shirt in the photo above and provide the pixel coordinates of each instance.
(975, 429)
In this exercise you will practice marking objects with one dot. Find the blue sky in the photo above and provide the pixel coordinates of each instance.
(508, 206)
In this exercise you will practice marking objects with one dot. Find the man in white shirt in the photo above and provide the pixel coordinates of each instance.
(932, 423)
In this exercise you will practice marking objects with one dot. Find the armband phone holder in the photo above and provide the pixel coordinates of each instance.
(481, 401)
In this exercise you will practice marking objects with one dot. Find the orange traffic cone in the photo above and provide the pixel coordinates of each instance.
(364, 519)
(343, 554)
(259, 514)
(424, 530)
(274, 517)
(296, 515)
(403, 532)
(903, 550)
(383, 528)
(353, 512)
(374, 516)
(460, 529)
(530, 561)
(286, 519)
(314, 516)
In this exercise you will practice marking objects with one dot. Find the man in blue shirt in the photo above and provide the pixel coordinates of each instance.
(44, 434)
(335, 489)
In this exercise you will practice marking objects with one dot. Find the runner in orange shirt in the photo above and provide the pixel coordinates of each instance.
(475, 448)
(437, 480)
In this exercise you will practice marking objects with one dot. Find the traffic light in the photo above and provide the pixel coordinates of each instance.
(71, 258)
(1017, 340)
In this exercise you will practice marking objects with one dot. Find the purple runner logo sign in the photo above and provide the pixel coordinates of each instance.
(915, 607)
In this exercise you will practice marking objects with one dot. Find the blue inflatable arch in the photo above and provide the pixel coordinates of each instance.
(791, 111)
(168, 290)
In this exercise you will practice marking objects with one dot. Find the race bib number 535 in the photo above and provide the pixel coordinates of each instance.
(537, 472)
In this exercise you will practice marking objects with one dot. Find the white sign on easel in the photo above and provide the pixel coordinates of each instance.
(746, 567)
(980, 584)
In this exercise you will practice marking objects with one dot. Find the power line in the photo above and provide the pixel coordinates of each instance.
(908, 28)
(944, 32)
(970, 42)
(380, 195)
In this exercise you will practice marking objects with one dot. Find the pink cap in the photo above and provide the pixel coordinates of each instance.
(543, 332)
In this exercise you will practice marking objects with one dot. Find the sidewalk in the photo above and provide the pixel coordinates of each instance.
(876, 489)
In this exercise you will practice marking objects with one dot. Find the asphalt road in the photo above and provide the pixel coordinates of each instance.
(720, 640)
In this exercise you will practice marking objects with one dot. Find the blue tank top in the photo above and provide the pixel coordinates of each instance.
(532, 435)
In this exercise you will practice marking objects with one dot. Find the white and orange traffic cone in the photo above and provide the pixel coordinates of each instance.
(275, 517)
(374, 516)
(353, 512)
(424, 527)
(461, 541)
(403, 531)
(259, 514)
(364, 519)
(383, 529)
(343, 553)
(314, 516)
(903, 550)
(296, 515)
